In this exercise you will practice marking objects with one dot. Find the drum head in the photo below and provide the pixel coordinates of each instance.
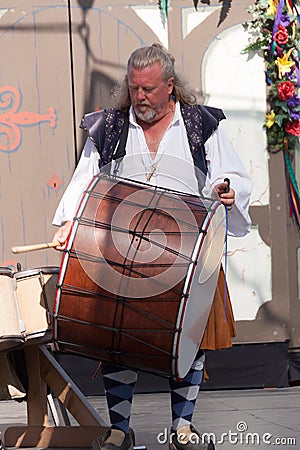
(11, 327)
(201, 286)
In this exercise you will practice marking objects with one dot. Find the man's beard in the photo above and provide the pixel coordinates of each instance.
(146, 116)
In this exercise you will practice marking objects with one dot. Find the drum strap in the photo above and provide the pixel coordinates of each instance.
(120, 149)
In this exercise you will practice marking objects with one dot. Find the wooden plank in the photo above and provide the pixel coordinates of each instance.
(67, 392)
(44, 437)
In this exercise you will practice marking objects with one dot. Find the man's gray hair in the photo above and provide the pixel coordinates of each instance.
(145, 57)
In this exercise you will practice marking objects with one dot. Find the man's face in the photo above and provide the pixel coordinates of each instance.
(149, 94)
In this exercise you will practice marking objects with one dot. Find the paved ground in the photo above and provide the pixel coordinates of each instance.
(237, 419)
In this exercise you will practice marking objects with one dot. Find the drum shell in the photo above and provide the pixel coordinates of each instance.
(92, 325)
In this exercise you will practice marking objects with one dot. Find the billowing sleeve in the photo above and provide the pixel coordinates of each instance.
(87, 167)
(223, 161)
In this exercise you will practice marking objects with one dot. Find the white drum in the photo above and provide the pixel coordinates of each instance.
(11, 326)
(35, 293)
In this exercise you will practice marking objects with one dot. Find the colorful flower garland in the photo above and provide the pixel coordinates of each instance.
(274, 35)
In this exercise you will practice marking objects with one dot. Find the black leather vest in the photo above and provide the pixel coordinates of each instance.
(109, 127)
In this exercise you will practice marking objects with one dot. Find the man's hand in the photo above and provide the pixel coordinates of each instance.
(62, 234)
(226, 197)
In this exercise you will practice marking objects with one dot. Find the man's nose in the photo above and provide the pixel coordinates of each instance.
(140, 94)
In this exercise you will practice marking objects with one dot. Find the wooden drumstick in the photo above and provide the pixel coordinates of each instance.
(33, 247)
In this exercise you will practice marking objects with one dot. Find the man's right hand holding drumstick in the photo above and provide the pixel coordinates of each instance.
(62, 234)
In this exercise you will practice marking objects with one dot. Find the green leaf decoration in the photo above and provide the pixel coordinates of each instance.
(164, 7)
(226, 5)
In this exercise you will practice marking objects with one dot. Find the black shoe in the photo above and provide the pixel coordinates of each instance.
(188, 438)
(115, 440)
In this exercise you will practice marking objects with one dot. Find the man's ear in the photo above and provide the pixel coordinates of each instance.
(170, 85)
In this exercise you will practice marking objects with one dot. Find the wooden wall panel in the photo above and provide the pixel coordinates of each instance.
(103, 37)
(37, 148)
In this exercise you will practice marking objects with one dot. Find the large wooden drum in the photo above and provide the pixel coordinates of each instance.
(138, 276)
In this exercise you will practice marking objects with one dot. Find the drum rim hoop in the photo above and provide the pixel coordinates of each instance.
(36, 271)
(7, 271)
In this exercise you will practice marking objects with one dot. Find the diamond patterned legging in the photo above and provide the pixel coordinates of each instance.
(119, 386)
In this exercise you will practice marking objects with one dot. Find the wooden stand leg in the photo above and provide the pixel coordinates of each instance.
(37, 389)
(66, 391)
(44, 370)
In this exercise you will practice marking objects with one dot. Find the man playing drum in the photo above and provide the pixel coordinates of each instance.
(156, 118)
